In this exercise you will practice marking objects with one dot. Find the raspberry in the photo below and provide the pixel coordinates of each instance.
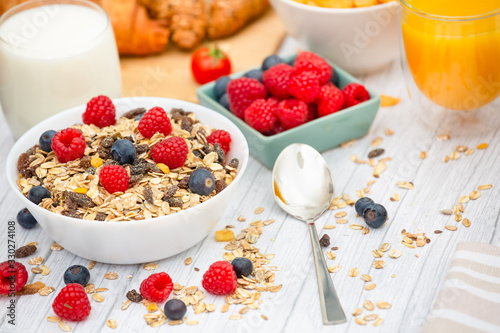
(292, 113)
(304, 86)
(157, 287)
(330, 100)
(308, 61)
(100, 112)
(172, 152)
(155, 120)
(354, 93)
(68, 145)
(276, 80)
(221, 137)
(220, 278)
(114, 178)
(261, 115)
(72, 303)
(12, 274)
(242, 92)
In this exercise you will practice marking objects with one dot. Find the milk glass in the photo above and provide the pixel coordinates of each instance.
(54, 54)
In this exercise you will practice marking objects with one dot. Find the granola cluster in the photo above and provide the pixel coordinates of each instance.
(154, 190)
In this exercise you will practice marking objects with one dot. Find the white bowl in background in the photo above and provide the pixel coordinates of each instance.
(131, 242)
(359, 40)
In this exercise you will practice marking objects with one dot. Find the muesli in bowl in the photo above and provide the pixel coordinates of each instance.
(166, 186)
(144, 165)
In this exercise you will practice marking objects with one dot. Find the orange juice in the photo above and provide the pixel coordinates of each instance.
(453, 50)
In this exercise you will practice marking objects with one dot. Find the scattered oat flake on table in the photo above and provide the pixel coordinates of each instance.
(258, 210)
(334, 269)
(65, 327)
(36, 270)
(446, 211)
(353, 272)
(188, 261)
(241, 218)
(30, 289)
(45, 270)
(360, 321)
(379, 168)
(347, 143)
(35, 261)
(378, 264)
(111, 276)
(45, 291)
(484, 187)
(395, 253)
(111, 323)
(370, 286)
(357, 312)
(56, 247)
(474, 195)
(91, 264)
(378, 322)
(150, 266)
(97, 297)
(329, 226)
(377, 141)
(443, 137)
(395, 197)
(54, 319)
(483, 145)
(466, 223)
(388, 132)
(386, 100)
(367, 304)
(235, 317)
(192, 322)
(264, 317)
(126, 304)
(32, 243)
(405, 185)
(366, 277)
(451, 227)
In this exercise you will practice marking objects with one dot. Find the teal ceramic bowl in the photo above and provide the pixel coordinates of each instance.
(322, 133)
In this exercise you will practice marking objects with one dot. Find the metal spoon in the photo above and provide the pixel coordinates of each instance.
(303, 188)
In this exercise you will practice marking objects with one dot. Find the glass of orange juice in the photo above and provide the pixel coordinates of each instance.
(451, 52)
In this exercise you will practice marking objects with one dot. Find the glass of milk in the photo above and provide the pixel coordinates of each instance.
(54, 54)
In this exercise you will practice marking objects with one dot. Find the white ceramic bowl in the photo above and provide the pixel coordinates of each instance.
(359, 40)
(135, 241)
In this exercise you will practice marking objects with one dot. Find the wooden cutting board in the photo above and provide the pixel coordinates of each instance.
(169, 73)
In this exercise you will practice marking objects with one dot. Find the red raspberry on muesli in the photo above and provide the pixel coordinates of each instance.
(223, 138)
(154, 121)
(220, 278)
(114, 178)
(157, 287)
(68, 145)
(172, 152)
(100, 111)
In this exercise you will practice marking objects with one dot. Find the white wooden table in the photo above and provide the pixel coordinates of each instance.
(296, 308)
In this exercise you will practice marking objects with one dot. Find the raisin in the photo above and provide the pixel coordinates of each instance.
(170, 192)
(85, 162)
(138, 169)
(141, 149)
(101, 216)
(25, 251)
(72, 213)
(376, 152)
(207, 149)
(325, 240)
(178, 113)
(32, 150)
(23, 162)
(90, 170)
(134, 296)
(78, 199)
(234, 163)
(175, 202)
(220, 153)
(133, 113)
(135, 178)
(148, 194)
(111, 162)
(197, 154)
(184, 183)
(220, 185)
(104, 153)
(187, 124)
(154, 168)
(107, 142)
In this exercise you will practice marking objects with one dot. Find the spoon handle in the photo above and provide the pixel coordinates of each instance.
(331, 309)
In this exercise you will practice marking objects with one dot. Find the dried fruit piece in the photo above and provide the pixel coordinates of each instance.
(224, 235)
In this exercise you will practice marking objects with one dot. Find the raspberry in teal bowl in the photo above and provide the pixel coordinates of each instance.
(322, 133)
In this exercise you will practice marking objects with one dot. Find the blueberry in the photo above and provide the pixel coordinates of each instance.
(224, 101)
(45, 140)
(175, 309)
(201, 182)
(37, 194)
(25, 219)
(242, 266)
(221, 86)
(361, 205)
(139, 116)
(375, 215)
(123, 151)
(255, 74)
(77, 274)
(335, 78)
(271, 61)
